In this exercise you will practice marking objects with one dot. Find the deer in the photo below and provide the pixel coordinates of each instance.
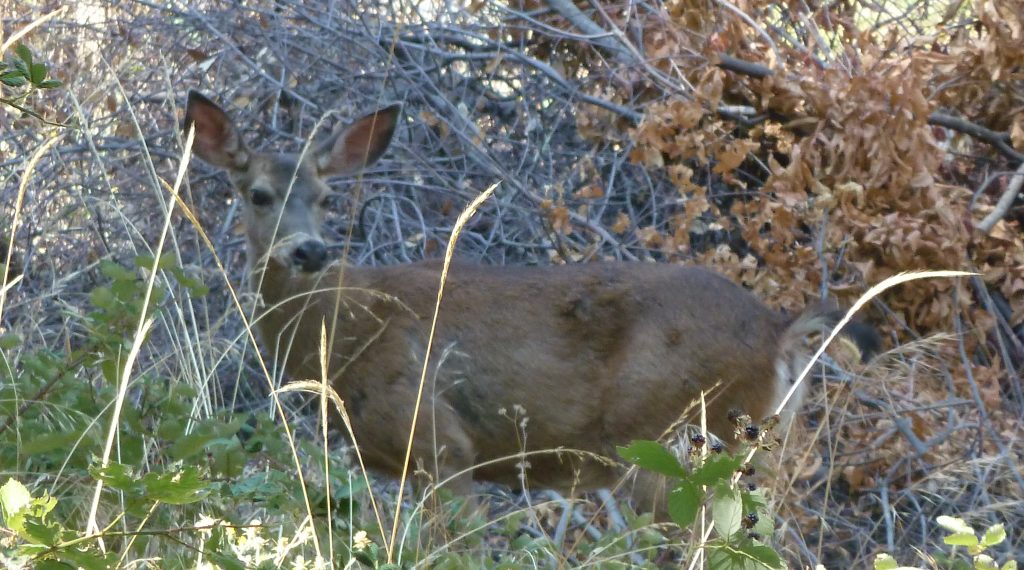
(594, 355)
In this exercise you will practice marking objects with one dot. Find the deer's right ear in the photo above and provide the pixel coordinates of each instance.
(217, 140)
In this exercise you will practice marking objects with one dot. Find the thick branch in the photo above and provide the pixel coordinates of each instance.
(603, 38)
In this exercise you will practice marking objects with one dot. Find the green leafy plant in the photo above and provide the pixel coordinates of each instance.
(961, 535)
(172, 467)
(25, 74)
(742, 520)
(41, 539)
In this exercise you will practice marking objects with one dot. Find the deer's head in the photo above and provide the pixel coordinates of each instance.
(283, 194)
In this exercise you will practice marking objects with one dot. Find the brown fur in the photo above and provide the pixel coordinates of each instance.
(597, 354)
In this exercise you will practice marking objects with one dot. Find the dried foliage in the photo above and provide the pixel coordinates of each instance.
(814, 158)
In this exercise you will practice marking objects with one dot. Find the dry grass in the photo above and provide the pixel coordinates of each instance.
(896, 446)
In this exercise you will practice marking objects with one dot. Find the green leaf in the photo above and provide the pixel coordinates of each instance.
(885, 562)
(9, 341)
(45, 442)
(764, 555)
(176, 488)
(1011, 565)
(167, 261)
(89, 559)
(50, 84)
(101, 298)
(115, 272)
(961, 539)
(41, 532)
(13, 497)
(24, 53)
(37, 73)
(727, 510)
(994, 535)
(716, 468)
(205, 433)
(954, 524)
(652, 456)
(116, 476)
(13, 79)
(684, 502)
(226, 560)
(985, 562)
(21, 67)
(49, 564)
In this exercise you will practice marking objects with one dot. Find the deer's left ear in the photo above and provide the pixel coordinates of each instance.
(359, 144)
(217, 140)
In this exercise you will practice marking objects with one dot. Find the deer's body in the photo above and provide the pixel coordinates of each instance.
(597, 355)
(590, 355)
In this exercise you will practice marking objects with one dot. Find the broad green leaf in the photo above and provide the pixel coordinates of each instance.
(652, 456)
(885, 562)
(116, 476)
(985, 562)
(764, 555)
(176, 488)
(167, 261)
(961, 539)
(116, 272)
(190, 445)
(994, 535)
(37, 72)
(88, 559)
(1011, 565)
(13, 497)
(101, 298)
(9, 341)
(45, 442)
(38, 531)
(226, 560)
(21, 67)
(24, 53)
(726, 510)
(49, 564)
(684, 502)
(954, 524)
(716, 468)
(50, 84)
(13, 79)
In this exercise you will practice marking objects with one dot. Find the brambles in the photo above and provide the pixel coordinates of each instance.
(740, 512)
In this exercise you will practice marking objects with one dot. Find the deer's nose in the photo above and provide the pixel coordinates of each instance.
(311, 255)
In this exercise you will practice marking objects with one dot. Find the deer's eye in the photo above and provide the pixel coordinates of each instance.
(260, 197)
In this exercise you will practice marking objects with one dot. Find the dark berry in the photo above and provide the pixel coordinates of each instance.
(697, 440)
(751, 432)
(717, 447)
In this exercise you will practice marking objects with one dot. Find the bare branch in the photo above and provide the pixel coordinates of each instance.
(1005, 201)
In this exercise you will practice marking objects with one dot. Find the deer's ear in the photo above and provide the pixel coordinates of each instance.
(217, 140)
(359, 144)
